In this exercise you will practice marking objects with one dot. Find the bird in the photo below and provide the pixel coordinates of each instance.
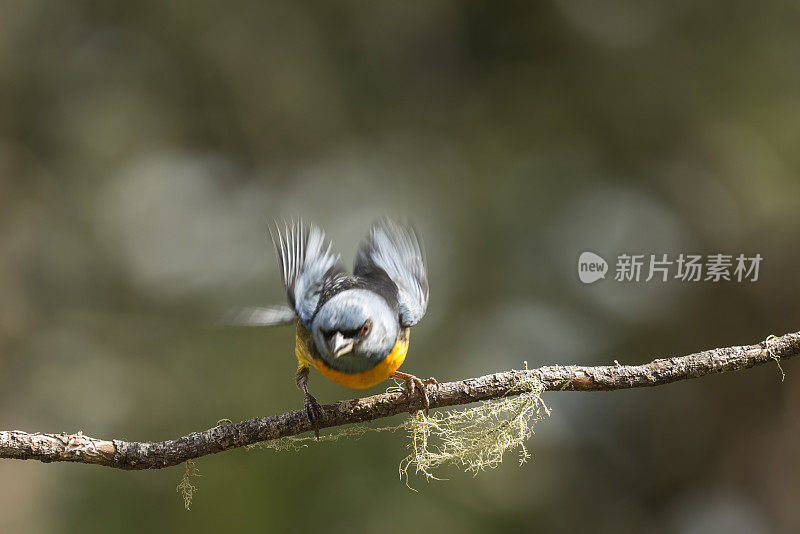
(354, 328)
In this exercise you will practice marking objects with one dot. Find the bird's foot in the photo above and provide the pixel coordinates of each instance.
(412, 382)
(313, 411)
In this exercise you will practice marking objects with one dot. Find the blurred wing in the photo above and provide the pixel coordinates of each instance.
(395, 248)
(304, 258)
(257, 316)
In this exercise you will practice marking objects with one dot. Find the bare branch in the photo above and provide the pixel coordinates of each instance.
(155, 455)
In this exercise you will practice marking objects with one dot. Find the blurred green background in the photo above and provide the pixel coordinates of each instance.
(144, 146)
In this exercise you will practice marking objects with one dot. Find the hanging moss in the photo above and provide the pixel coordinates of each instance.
(185, 487)
(472, 439)
(476, 438)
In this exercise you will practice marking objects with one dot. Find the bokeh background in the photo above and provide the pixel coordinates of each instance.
(144, 147)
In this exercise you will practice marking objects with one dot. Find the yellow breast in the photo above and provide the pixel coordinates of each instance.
(307, 354)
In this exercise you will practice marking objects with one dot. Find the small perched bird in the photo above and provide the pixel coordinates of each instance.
(353, 328)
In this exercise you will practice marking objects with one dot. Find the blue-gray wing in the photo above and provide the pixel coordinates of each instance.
(304, 259)
(395, 248)
(259, 316)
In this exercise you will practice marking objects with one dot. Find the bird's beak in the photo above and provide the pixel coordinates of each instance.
(340, 345)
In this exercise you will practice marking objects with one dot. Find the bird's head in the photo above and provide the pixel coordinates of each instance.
(355, 330)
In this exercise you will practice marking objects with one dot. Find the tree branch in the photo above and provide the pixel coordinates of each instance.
(155, 455)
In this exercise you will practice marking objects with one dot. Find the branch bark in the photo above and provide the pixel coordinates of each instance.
(155, 455)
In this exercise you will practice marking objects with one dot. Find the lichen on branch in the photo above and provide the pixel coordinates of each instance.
(477, 438)
(121, 454)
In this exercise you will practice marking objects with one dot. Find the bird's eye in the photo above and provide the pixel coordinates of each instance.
(365, 328)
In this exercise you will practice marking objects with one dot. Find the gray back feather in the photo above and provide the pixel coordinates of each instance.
(395, 248)
(304, 257)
